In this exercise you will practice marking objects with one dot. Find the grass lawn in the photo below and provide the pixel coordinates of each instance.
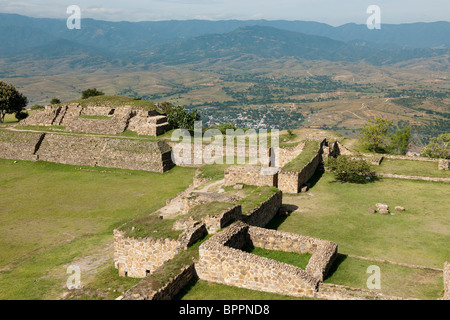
(292, 258)
(309, 151)
(203, 290)
(395, 280)
(54, 215)
(412, 168)
(339, 212)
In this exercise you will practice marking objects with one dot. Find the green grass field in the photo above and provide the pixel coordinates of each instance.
(412, 168)
(339, 212)
(54, 215)
(395, 280)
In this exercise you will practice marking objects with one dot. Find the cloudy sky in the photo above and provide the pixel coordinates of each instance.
(334, 12)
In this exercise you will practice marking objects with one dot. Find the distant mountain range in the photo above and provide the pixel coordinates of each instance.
(175, 42)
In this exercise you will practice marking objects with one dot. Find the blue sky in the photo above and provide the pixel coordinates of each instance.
(334, 12)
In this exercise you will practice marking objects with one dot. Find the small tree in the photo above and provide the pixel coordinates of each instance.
(11, 100)
(375, 133)
(400, 141)
(55, 101)
(347, 169)
(439, 147)
(179, 117)
(91, 93)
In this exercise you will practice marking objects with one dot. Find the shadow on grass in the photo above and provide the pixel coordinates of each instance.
(186, 288)
(275, 223)
(339, 259)
(316, 177)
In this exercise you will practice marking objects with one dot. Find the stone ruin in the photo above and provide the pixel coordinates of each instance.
(104, 120)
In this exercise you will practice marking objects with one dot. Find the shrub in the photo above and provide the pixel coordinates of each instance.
(91, 93)
(347, 169)
(439, 147)
(55, 101)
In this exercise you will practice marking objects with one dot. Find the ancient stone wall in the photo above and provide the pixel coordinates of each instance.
(251, 175)
(145, 290)
(265, 212)
(19, 146)
(287, 154)
(221, 219)
(291, 182)
(105, 152)
(220, 260)
(323, 252)
(137, 258)
(119, 119)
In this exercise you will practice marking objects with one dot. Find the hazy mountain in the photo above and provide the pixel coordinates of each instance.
(272, 43)
(19, 32)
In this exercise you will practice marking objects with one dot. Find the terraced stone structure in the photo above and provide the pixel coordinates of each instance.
(99, 119)
(86, 150)
(222, 260)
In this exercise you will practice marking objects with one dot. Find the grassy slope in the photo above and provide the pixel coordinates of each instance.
(339, 213)
(53, 214)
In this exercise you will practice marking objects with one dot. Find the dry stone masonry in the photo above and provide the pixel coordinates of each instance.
(105, 120)
(86, 150)
(222, 260)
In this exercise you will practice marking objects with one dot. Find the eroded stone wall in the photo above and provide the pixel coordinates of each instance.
(19, 146)
(136, 258)
(221, 219)
(291, 182)
(222, 261)
(251, 175)
(265, 212)
(118, 119)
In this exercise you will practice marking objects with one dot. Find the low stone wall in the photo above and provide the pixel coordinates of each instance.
(447, 281)
(251, 175)
(19, 146)
(220, 260)
(399, 176)
(145, 290)
(218, 221)
(323, 252)
(136, 258)
(265, 212)
(191, 235)
(443, 164)
(337, 292)
(287, 154)
(291, 182)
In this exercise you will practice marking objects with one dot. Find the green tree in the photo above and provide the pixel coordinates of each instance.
(179, 117)
(166, 107)
(439, 147)
(347, 169)
(91, 93)
(375, 134)
(400, 141)
(11, 100)
(55, 101)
